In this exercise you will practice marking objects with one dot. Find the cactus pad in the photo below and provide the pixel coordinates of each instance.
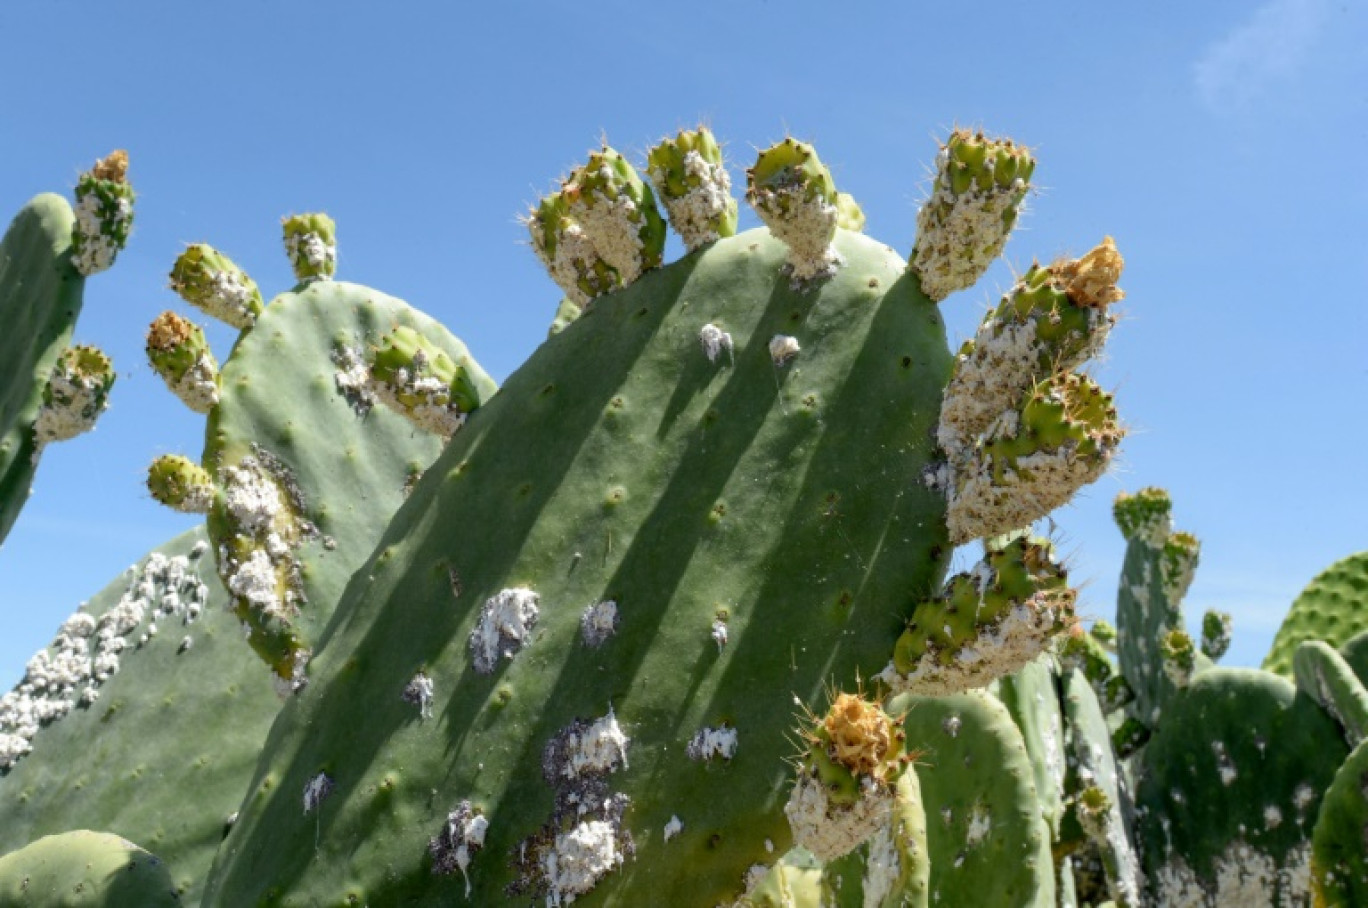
(84, 869)
(1333, 608)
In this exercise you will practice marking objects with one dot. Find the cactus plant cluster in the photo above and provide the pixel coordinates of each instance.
(667, 616)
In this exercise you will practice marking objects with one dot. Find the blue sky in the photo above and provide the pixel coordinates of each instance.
(1220, 143)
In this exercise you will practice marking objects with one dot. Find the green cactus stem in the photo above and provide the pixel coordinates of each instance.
(847, 776)
(179, 353)
(988, 622)
(104, 214)
(85, 869)
(1216, 634)
(792, 191)
(210, 281)
(1053, 319)
(691, 179)
(311, 244)
(420, 382)
(1328, 679)
(980, 185)
(181, 484)
(76, 395)
(601, 231)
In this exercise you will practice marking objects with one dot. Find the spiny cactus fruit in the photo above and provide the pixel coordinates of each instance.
(644, 527)
(181, 484)
(104, 214)
(979, 186)
(1333, 608)
(210, 281)
(144, 718)
(601, 231)
(179, 353)
(41, 294)
(84, 869)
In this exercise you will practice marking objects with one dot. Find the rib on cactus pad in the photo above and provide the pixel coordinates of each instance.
(162, 748)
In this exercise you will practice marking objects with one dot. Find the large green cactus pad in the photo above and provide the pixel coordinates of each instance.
(988, 841)
(165, 753)
(291, 397)
(1031, 695)
(1339, 846)
(40, 297)
(84, 869)
(1332, 608)
(1229, 788)
(760, 528)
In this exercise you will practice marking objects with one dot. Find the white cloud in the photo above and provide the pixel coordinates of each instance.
(1257, 55)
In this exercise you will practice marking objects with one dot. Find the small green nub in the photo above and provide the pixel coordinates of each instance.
(179, 353)
(104, 214)
(849, 214)
(692, 181)
(1146, 515)
(311, 244)
(181, 484)
(421, 382)
(76, 394)
(1179, 655)
(1216, 634)
(210, 281)
(1104, 632)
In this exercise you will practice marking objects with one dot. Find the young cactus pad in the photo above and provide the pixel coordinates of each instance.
(104, 214)
(40, 296)
(144, 718)
(178, 352)
(308, 467)
(782, 503)
(1333, 608)
(84, 869)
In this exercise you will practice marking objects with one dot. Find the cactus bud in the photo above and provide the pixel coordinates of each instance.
(792, 191)
(980, 185)
(852, 760)
(600, 231)
(179, 483)
(178, 352)
(692, 182)
(210, 281)
(311, 244)
(104, 214)
(988, 622)
(421, 382)
(1179, 656)
(1053, 319)
(1216, 634)
(76, 394)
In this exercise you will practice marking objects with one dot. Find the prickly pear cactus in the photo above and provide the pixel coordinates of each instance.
(1339, 846)
(575, 653)
(1229, 789)
(84, 869)
(302, 466)
(1333, 608)
(43, 261)
(143, 718)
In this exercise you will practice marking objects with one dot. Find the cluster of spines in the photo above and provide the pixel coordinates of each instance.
(104, 214)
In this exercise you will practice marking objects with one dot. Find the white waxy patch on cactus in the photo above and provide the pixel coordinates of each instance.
(505, 627)
(673, 828)
(198, 387)
(1177, 567)
(719, 633)
(309, 253)
(254, 581)
(315, 790)
(596, 748)
(419, 691)
(1225, 767)
(695, 213)
(959, 235)
(99, 223)
(951, 725)
(229, 298)
(710, 743)
(77, 402)
(579, 859)
(1303, 796)
(1241, 875)
(832, 830)
(573, 260)
(87, 650)
(436, 410)
(250, 496)
(352, 378)
(1272, 815)
(783, 348)
(980, 826)
(714, 340)
(598, 623)
(614, 227)
(999, 649)
(805, 225)
(461, 838)
(883, 867)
